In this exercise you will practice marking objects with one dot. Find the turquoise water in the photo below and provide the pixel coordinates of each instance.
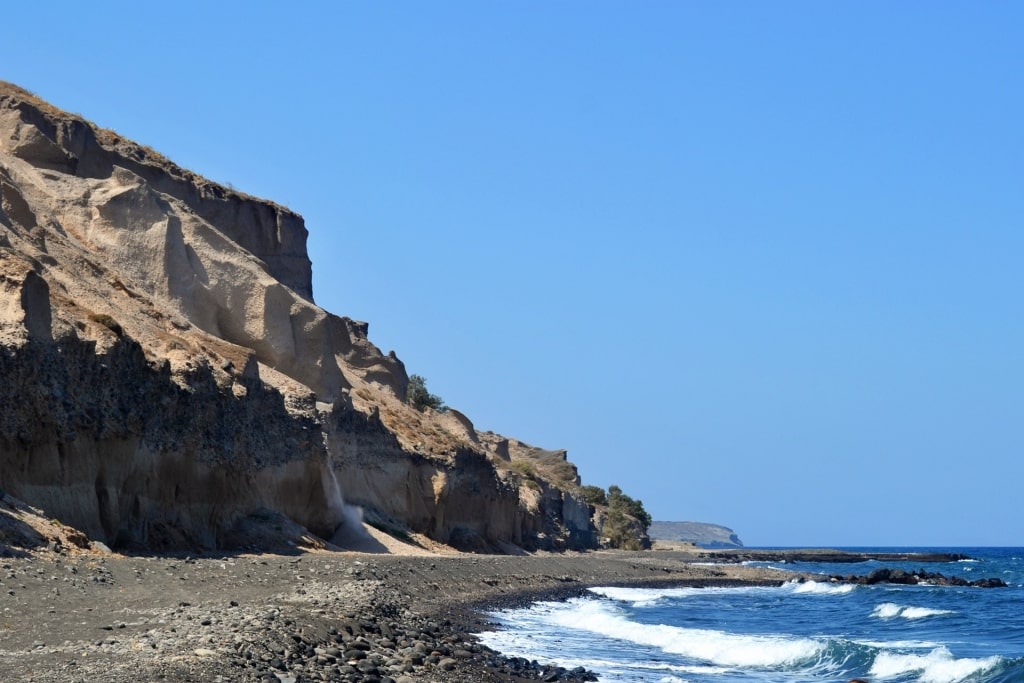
(796, 632)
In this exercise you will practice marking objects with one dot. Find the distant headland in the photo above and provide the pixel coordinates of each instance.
(699, 533)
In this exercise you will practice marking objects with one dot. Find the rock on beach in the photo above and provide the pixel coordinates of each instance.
(314, 617)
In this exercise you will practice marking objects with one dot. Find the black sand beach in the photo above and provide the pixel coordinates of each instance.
(306, 617)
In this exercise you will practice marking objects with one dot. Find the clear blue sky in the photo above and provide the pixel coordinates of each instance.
(757, 263)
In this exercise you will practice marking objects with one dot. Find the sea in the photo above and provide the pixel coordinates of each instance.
(797, 632)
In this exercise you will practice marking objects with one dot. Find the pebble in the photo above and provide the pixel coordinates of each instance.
(345, 631)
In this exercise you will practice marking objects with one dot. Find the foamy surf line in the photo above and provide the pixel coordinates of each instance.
(594, 629)
(706, 646)
(938, 666)
(645, 597)
(642, 596)
(818, 588)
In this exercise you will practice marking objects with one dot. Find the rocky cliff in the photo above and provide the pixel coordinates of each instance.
(168, 380)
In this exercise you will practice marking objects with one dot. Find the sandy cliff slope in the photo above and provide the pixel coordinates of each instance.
(168, 380)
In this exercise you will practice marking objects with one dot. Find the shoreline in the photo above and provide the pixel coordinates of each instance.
(335, 616)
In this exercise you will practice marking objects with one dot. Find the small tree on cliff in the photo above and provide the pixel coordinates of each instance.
(617, 500)
(419, 398)
(625, 521)
(594, 495)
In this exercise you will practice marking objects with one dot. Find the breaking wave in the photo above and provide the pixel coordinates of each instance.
(937, 666)
(643, 597)
(705, 645)
(793, 633)
(890, 610)
(818, 588)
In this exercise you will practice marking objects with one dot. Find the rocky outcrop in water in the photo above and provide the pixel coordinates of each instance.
(919, 577)
(168, 380)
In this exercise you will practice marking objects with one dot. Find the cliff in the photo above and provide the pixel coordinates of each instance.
(168, 380)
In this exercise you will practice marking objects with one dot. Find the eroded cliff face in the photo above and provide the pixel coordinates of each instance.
(165, 375)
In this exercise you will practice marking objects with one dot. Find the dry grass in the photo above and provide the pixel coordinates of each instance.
(12, 90)
(113, 140)
(415, 430)
(524, 467)
(547, 466)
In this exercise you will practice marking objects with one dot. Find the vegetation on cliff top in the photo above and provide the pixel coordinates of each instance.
(625, 520)
(420, 398)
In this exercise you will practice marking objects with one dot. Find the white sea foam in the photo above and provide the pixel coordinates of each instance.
(938, 666)
(715, 647)
(890, 610)
(819, 588)
(643, 597)
(765, 565)
(899, 644)
(527, 634)
(705, 670)
(922, 612)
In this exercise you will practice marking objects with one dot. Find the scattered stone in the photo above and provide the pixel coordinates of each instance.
(912, 578)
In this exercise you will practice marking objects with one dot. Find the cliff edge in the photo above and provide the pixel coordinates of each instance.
(169, 381)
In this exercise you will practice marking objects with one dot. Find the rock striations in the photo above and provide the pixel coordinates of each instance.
(169, 382)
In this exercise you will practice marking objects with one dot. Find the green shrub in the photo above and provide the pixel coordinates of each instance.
(621, 531)
(419, 398)
(625, 519)
(617, 500)
(594, 495)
